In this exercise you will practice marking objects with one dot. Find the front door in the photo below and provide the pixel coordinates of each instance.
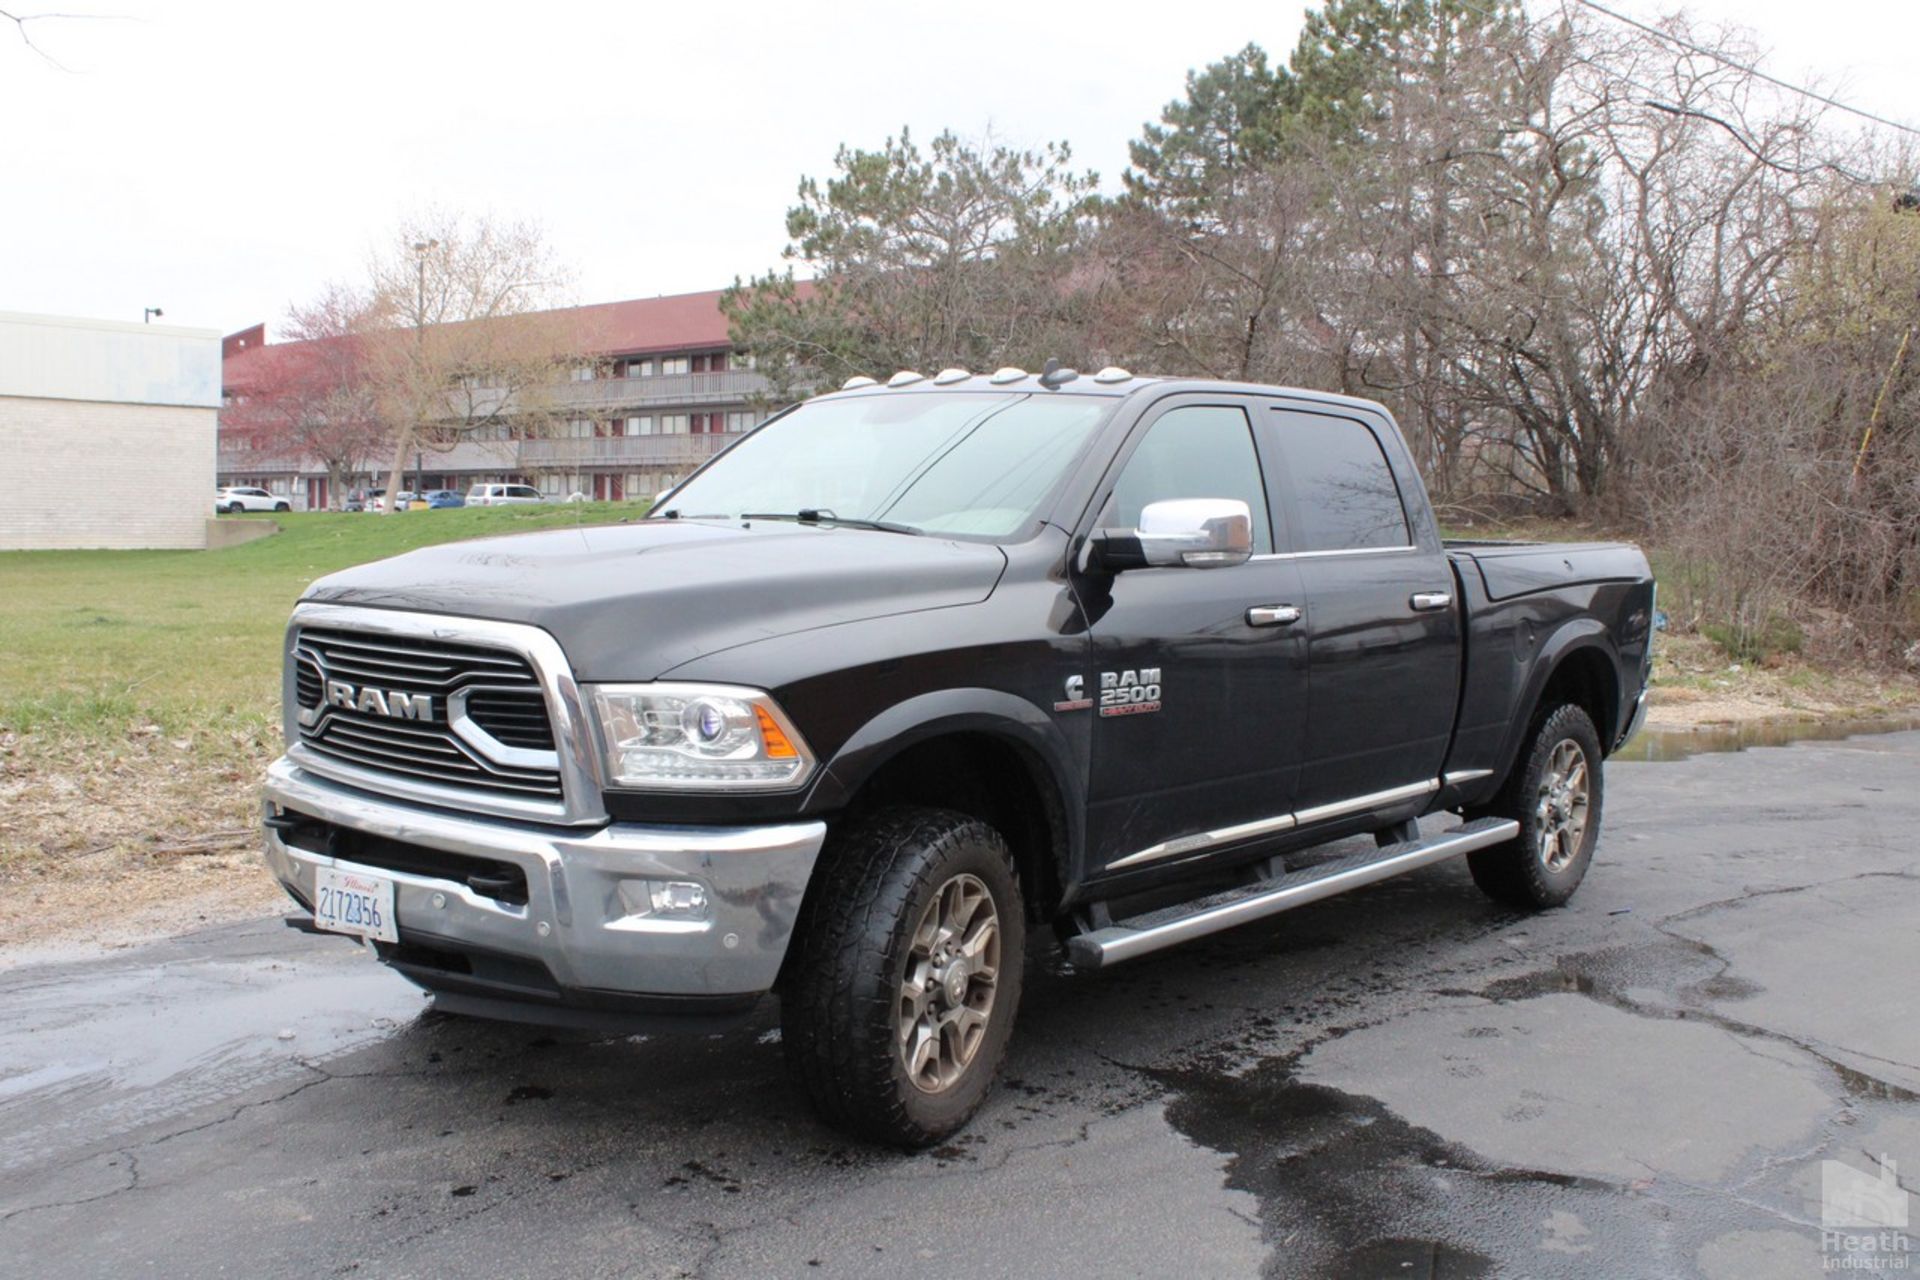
(1198, 700)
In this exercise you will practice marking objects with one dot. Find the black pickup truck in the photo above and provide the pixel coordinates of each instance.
(917, 668)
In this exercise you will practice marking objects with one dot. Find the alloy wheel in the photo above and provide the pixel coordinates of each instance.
(947, 992)
(1562, 805)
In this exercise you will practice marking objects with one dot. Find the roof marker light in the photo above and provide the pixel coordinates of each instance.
(1007, 374)
(858, 381)
(1113, 373)
(906, 378)
(949, 376)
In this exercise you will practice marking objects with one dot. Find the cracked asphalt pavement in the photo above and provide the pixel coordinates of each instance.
(1408, 1081)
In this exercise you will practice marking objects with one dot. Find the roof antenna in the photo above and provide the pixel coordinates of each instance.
(1054, 376)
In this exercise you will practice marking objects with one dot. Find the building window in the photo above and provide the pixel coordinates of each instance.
(740, 360)
(743, 420)
(674, 364)
(639, 368)
(642, 426)
(581, 373)
(579, 428)
(673, 424)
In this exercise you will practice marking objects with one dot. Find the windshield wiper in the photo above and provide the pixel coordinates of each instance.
(816, 515)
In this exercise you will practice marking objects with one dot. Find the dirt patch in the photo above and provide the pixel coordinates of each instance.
(1696, 685)
(149, 837)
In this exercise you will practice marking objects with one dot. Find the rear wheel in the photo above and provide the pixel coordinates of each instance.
(1554, 794)
(901, 994)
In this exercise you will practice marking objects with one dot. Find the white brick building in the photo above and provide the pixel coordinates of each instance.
(107, 433)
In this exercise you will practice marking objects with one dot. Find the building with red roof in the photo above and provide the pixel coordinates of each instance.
(660, 392)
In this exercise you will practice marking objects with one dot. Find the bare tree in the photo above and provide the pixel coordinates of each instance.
(309, 398)
(328, 408)
(462, 340)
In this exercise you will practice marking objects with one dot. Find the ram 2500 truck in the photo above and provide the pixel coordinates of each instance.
(914, 669)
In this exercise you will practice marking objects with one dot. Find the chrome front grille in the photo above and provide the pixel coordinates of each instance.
(421, 708)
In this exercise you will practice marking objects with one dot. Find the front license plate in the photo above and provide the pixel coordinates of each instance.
(351, 903)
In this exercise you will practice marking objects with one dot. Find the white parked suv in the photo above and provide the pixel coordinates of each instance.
(503, 495)
(240, 497)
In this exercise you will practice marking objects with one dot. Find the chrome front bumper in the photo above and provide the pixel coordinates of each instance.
(576, 922)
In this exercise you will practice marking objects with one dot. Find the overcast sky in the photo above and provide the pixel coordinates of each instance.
(223, 160)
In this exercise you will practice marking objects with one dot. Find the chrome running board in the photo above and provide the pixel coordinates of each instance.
(1125, 939)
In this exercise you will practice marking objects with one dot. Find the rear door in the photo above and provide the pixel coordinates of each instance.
(1382, 626)
(1197, 701)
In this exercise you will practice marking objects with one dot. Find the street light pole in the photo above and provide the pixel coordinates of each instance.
(421, 248)
(148, 313)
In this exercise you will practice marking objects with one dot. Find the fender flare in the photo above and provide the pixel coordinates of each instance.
(991, 712)
(1574, 636)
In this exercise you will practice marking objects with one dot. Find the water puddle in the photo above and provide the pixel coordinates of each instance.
(1665, 745)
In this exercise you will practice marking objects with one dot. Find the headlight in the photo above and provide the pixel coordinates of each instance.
(696, 737)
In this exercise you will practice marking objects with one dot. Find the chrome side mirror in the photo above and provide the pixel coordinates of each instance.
(1191, 533)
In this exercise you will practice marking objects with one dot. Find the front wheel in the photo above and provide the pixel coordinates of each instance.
(1554, 794)
(282, 506)
(900, 996)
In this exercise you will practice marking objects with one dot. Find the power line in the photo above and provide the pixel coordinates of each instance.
(1737, 65)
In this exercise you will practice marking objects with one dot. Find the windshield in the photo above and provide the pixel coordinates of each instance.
(953, 463)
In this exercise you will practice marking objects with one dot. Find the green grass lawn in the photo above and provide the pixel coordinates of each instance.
(97, 642)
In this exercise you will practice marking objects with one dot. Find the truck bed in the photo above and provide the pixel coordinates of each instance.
(1523, 601)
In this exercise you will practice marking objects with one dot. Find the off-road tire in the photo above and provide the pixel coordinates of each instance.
(1518, 873)
(841, 1002)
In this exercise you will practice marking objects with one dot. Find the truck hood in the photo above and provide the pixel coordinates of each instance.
(631, 602)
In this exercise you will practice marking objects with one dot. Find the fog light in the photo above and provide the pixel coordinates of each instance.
(683, 899)
(665, 899)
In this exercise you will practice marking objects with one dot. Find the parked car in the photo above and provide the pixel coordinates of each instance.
(440, 499)
(354, 504)
(234, 498)
(916, 668)
(502, 495)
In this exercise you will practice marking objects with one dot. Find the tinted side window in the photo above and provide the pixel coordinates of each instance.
(1198, 451)
(1344, 495)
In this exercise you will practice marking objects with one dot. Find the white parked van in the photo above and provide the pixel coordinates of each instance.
(502, 495)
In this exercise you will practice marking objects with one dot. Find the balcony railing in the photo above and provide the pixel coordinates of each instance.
(664, 390)
(258, 462)
(613, 451)
(507, 457)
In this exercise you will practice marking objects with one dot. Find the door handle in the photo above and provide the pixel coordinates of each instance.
(1427, 601)
(1272, 615)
